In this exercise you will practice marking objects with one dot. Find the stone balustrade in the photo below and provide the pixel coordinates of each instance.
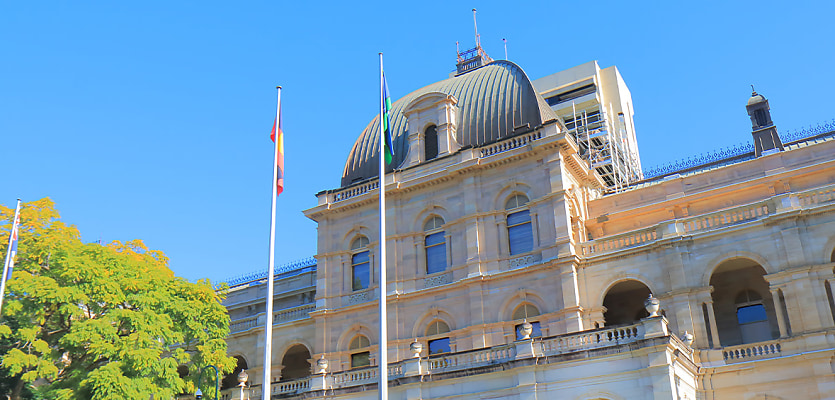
(510, 144)
(619, 241)
(814, 197)
(708, 222)
(470, 359)
(725, 218)
(747, 352)
(592, 339)
(279, 317)
(242, 324)
(354, 191)
(293, 313)
(294, 386)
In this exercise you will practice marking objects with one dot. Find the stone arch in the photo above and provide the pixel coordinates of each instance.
(295, 362)
(508, 191)
(625, 277)
(624, 302)
(429, 212)
(742, 302)
(520, 297)
(356, 329)
(231, 380)
(356, 231)
(419, 328)
(723, 258)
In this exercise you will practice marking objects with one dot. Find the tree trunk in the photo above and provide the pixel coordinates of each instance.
(17, 388)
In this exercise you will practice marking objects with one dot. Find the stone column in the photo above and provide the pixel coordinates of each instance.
(778, 309)
(571, 298)
(504, 246)
(714, 329)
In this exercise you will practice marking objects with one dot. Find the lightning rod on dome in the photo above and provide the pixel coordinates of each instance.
(505, 48)
(475, 25)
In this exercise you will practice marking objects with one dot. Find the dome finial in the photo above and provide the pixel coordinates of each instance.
(753, 92)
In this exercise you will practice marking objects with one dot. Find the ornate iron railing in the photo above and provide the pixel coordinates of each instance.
(256, 276)
(737, 152)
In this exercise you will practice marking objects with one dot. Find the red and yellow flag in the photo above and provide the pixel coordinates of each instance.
(280, 152)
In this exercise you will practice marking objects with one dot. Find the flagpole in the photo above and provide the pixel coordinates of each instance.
(268, 331)
(384, 389)
(9, 256)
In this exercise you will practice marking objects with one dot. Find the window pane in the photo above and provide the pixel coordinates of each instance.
(519, 233)
(435, 253)
(435, 238)
(359, 272)
(750, 314)
(431, 141)
(519, 217)
(438, 346)
(360, 359)
(536, 331)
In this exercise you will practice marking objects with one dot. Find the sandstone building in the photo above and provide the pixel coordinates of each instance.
(524, 241)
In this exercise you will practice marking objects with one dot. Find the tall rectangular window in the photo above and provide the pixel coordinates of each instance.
(435, 253)
(519, 232)
(360, 274)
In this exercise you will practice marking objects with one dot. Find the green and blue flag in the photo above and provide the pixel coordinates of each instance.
(386, 121)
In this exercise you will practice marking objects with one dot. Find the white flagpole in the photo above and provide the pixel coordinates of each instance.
(9, 256)
(268, 331)
(384, 388)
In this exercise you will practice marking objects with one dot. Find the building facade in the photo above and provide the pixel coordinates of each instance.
(522, 266)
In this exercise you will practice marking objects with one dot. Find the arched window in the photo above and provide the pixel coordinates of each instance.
(360, 261)
(435, 245)
(430, 137)
(525, 312)
(519, 232)
(438, 344)
(759, 115)
(360, 358)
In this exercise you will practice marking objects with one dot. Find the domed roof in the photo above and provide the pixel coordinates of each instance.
(492, 100)
(756, 98)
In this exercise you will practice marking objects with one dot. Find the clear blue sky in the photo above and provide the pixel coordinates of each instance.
(150, 119)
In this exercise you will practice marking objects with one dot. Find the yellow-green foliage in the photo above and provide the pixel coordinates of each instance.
(102, 321)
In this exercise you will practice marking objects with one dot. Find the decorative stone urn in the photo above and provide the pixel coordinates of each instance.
(652, 305)
(416, 347)
(687, 338)
(526, 330)
(322, 365)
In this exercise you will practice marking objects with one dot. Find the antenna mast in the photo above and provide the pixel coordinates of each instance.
(475, 25)
(505, 48)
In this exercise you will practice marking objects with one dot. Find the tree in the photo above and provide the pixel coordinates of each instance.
(91, 321)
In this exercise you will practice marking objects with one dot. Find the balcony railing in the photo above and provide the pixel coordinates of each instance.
(279, 317)
(436, 364)
(747, 352)
(708, 222)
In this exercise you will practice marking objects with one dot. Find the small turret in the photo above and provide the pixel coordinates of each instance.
(764, 131)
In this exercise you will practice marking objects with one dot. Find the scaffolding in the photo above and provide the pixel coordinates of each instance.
(605, 145)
